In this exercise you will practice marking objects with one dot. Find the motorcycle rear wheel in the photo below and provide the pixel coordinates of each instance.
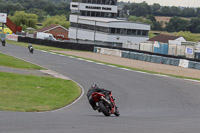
(104, 110)
(3, 44)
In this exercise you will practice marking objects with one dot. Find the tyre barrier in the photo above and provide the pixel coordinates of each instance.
(156, 59)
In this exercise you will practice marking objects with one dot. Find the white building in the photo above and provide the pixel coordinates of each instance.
(95, 22)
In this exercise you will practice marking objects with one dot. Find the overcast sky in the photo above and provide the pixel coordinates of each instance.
(185, 3)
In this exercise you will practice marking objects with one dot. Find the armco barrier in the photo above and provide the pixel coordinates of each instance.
(151, 58)
(90, 47)
(58, 44)
(95, 50)
(125, 54)
(197, 65)
(144, 57)
(140, 57)
(191, 64)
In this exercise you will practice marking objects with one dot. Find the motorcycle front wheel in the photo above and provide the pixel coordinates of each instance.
(117, 112)
(104, 110)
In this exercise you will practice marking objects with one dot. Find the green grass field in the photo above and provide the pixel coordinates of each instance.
(10, 61)
(33, 93)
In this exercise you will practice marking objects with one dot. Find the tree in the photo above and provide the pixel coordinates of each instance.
(39, 12)
(177, 24)
(155, 8)
(25, 20)
(194, 25)
(139, 20)
(198, 12)
(188, 12)
(165, 11)
(141, 9)
(175, 11)
(61, 20)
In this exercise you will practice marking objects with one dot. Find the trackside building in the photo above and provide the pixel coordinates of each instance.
(96, 22)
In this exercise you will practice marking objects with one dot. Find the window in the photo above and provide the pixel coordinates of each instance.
(139, 32)
(129, 31)
(93, 14)
(123, 31)
(84, 1)
(83, 13)
(94, 1)
(75, 0)
(97, 14)
(103, 1)
(98, 1)
(73, 24)
(88, 13)
(97, 28)
(112, 30)
(102, 14)
(133, 32)
(145, 33)
(117, 31)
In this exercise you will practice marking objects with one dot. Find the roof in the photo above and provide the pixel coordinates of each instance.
(101, 19)
(164, 38)
(107, 20)
(50, 27)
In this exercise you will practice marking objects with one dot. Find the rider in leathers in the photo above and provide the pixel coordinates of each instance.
(95, 88)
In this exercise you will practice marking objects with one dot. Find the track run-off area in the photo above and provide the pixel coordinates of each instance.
(147, 103)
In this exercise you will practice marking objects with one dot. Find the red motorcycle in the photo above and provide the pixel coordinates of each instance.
(106, 103)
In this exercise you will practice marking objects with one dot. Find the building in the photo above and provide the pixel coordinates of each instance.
(96, 22)
(58, 31)
(169, 39)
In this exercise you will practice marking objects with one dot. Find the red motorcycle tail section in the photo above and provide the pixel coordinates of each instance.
(96, 96)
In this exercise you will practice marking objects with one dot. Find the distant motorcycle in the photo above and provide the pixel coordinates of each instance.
(30, 47)
(106, 103)
(3, 43)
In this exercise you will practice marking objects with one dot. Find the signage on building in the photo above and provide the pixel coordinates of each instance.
(156, 44)
(98, 8)
(189, 51)
(3, 17)
(74, 5)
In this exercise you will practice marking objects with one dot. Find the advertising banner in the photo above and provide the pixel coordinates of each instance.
(184, 63)
(189, 50)
(3, 17)
(12, 37)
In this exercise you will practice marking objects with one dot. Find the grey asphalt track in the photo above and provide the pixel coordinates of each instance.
(147, 103)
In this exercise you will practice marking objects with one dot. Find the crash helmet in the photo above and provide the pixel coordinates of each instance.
(94, 85)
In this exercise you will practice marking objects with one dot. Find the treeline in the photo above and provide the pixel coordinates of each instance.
(142, 12)
(25, 20)
(175, 24)
(45, 10)
(42, 8)
(143, 9)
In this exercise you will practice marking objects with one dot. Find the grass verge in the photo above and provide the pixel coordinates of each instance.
(9, 61)
(33, 93)
(40, 47)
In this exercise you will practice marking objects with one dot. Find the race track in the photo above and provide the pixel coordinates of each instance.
(147, 103)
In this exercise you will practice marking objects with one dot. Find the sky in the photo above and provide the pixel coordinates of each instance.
(184, 3)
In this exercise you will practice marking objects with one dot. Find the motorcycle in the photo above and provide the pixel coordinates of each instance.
(106, 103)
(3, 43)
(31, 49)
